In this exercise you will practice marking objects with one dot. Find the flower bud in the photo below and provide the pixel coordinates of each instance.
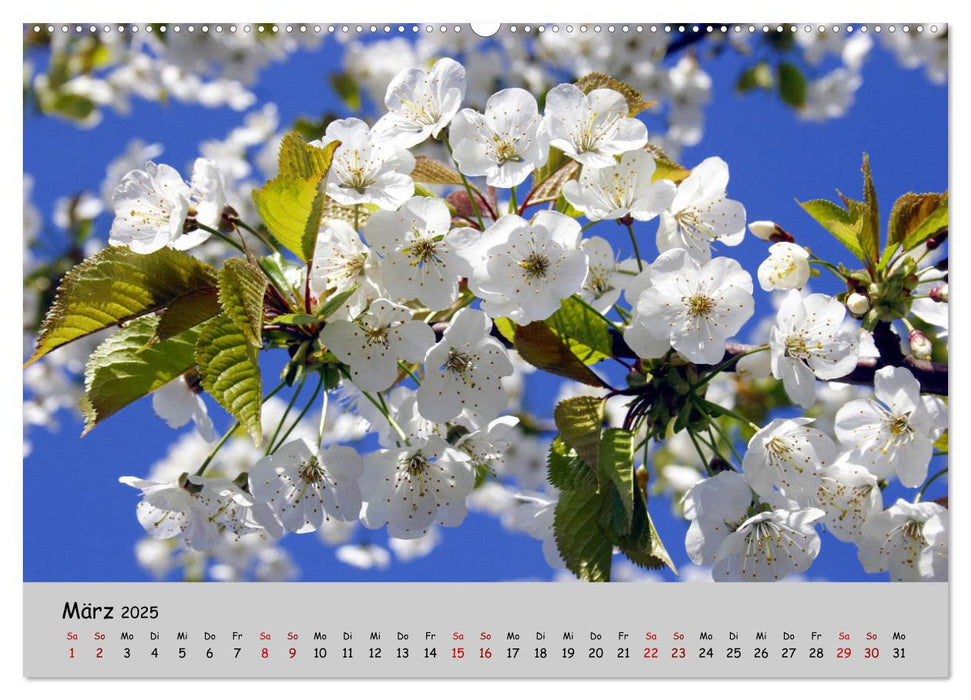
(939, 293)
(857, 303)
(770, 231)
(920, 346)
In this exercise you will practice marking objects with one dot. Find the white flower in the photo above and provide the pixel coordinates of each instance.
(621, 189)
(169, 509)
(895, 430)
(488, 446)
(305, 486)
(373, 344)
(769, 546)
(463, 371)
(523, 269)
(690, 307)
(591, 128)
(505, 144)
(367, 168)
(419, 259)
(716, 506)
(533, 514)
(408, 550)
(907, 539)
(857, 303)
(787, 267)
(363, 556)
(808, 341)
(701, 214)
(151, 206)
(177, 403)
(342, 262)
(422, 103)
(850, 495)
(607, 276)
(198, 510)
(831, 95)
(786, 456)
(410, 488)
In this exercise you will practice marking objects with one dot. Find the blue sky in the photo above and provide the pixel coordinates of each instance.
(79, 522)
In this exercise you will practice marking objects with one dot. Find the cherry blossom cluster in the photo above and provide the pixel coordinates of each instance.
(426, 424)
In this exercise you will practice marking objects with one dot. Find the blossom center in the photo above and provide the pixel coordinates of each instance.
(797, 348)
(700, 305)
(311, 471)
(459, 362)
(505, 151)
(423, 251)
(535, 266)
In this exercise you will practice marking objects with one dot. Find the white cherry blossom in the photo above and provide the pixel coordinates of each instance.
(894, 431)
(373, 344)
(505, 144)
(701, 214)
(419, 258)
(591, 128)
(341, 262)
(421, 103)
(850, 495)
(787, 267)
(607, 276)
(621, 189)
(716, 507)
(177, 403)
(691, 307)
(150, 206)
(809, 341)
(463, 371)
(410, 488)
(907, 539)
(367, 167)
(533, 514)
(304, 486)
(786, 456)
(524, 269)
(769, 546)
(169, 509)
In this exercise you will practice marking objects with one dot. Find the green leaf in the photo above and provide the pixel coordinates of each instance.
(555, 160)
(506, 327)
(664, 167)
(540, 347)
(187, 311)
(566, 471)
(125, 367)
(292, 204)
(792, 85)
(637, 539)
(230, 372)
(346, 87)
(909, 212)
(335, 301)
(597, 81)
(295, 320)
(941, 443)
(585, 549)
(580, 420)
(870, 214)
(583, 331)
(299, 160)
(241, 289)
(617, 465)
(115, 286)
(757, 76)
(432, 172)
(838, 221)
(564, 207)
(931, 225)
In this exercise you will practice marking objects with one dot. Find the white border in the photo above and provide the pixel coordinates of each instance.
(450, 12)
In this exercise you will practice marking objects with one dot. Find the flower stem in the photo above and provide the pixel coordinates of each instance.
(232, 430)
(320, 385)
(283, 418)
(637, 252)
(920, 494)
(267, 240)
(222, 236)
(582, 301)
(726, 364)
(323, 421)
(829, 266)
(468, 187)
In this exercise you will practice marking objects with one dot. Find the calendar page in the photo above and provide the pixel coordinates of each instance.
(550, 350)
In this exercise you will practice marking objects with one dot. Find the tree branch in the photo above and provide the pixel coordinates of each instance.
(932, 376)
